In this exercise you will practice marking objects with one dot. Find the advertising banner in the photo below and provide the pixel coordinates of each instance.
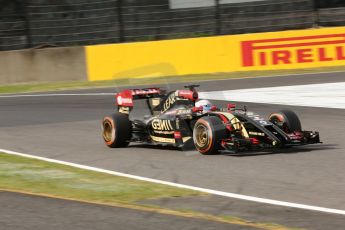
(295, 49)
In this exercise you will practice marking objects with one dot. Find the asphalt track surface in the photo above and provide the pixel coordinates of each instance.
(68, 128)
(40, 213)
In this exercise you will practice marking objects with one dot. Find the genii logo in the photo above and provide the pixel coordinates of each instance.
(162, 125)
(295, 50)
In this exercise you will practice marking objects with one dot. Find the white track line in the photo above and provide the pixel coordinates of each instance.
(278, 75)
(106, 94)
(205, 190)
(56, 95)
(327, 95)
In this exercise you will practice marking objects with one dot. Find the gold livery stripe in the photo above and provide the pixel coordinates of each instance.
(162, 139)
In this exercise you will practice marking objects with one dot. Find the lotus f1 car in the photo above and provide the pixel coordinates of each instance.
(176, 120)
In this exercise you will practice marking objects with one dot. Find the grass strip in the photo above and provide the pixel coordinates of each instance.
(33, 175)
(37, 177)
(58, 86)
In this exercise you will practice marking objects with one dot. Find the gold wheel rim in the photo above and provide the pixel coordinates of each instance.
(201, 136)
(107, 130)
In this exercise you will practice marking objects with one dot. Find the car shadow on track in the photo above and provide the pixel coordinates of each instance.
(288, 150)
(152, 146)
(189, 146)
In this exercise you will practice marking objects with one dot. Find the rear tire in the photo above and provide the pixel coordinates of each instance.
(207, 133)
(116, 130)
(286, 120)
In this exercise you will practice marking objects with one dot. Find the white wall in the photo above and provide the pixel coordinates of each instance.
(180, 4)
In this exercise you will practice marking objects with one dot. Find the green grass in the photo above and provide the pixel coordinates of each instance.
(55, 86)
(30, 175)
(37, 177)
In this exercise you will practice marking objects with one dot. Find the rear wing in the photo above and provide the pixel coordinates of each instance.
(146, 93)
(124, 99)
(157, 99)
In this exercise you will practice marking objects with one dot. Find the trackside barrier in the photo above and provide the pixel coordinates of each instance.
(295, 49)
(43, 65)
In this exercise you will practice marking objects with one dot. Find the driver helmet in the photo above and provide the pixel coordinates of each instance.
(205, 104)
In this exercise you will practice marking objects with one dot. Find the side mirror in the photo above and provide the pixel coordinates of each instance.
(214, 108)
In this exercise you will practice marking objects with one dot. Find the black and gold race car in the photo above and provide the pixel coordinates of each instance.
(176, 119)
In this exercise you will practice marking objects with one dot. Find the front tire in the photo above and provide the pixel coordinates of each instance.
(207, 133)
(116, 130)
(287, 121)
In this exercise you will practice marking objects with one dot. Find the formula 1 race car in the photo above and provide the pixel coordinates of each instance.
(177, 118)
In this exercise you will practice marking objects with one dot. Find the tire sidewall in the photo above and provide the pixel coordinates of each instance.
(210, 135)
(121, 130)
(113, 130)
(289, 118)
(216, 132)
